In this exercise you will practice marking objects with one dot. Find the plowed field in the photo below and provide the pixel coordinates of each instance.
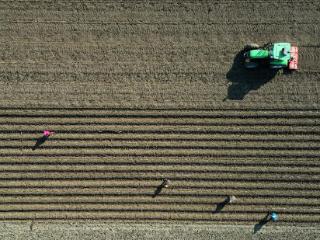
(138, 91)
(107, 164)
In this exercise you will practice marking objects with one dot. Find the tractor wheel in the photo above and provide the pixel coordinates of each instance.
(252, 46)
(251, 65)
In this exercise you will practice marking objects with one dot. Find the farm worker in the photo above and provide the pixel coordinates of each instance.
(274, 216)
(165, 183)
(284, 51)
(47, 133)
(232, 199)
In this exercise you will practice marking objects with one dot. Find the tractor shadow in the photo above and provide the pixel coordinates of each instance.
(245, 80)
(40, 141)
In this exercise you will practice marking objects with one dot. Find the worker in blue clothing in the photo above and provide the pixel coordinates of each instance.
(274, 216)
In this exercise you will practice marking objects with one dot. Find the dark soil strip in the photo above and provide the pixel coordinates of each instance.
(164, 116)
(166, 163)
(129, 139)
(154, 211)
(155, 170)
(310, 132)
(152, 187)
(96, 202)
(123, 178)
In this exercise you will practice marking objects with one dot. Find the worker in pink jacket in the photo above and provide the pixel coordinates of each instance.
(47, 133)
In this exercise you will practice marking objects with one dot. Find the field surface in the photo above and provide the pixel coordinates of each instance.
(138, 91)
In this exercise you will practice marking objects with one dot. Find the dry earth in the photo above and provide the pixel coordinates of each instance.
(137, 231)
(152, 54)
(138, 91)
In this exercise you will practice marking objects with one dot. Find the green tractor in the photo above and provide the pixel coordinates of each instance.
(275, 55)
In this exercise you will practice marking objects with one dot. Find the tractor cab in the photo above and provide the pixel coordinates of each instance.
(279, 55)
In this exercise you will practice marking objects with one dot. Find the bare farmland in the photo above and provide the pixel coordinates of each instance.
(140, 91)
(107, 164)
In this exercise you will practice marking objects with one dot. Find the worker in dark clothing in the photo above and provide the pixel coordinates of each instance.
(284, 51)
(165, 183)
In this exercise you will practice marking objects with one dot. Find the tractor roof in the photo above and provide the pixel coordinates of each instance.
(278, 53)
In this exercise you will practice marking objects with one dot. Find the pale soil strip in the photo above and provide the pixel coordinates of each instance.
(126, 215)
(168, 114)
(163, 200)
(160, 129)
(242, 119)
(176, 192)
(218, 152)
(173, 160)
(108, 144)
(116, 137)
(154, 183)
(147, 175)
(155, 230)
(159, 168)
(118, 111)
(202, 209)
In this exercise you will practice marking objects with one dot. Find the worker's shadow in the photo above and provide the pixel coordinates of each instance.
(39, 142)
(261, 223)
(244, 80)
(158, 189)
(221, 206)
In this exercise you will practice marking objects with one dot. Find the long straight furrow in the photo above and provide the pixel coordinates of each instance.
(108, 164)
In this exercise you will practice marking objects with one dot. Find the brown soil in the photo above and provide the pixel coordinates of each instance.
(108, 164)
(141, 91)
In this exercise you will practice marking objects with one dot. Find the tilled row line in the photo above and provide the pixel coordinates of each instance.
(155, 167)
(161, 162)
(161, 154)
(262, 112)
(228, 217)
